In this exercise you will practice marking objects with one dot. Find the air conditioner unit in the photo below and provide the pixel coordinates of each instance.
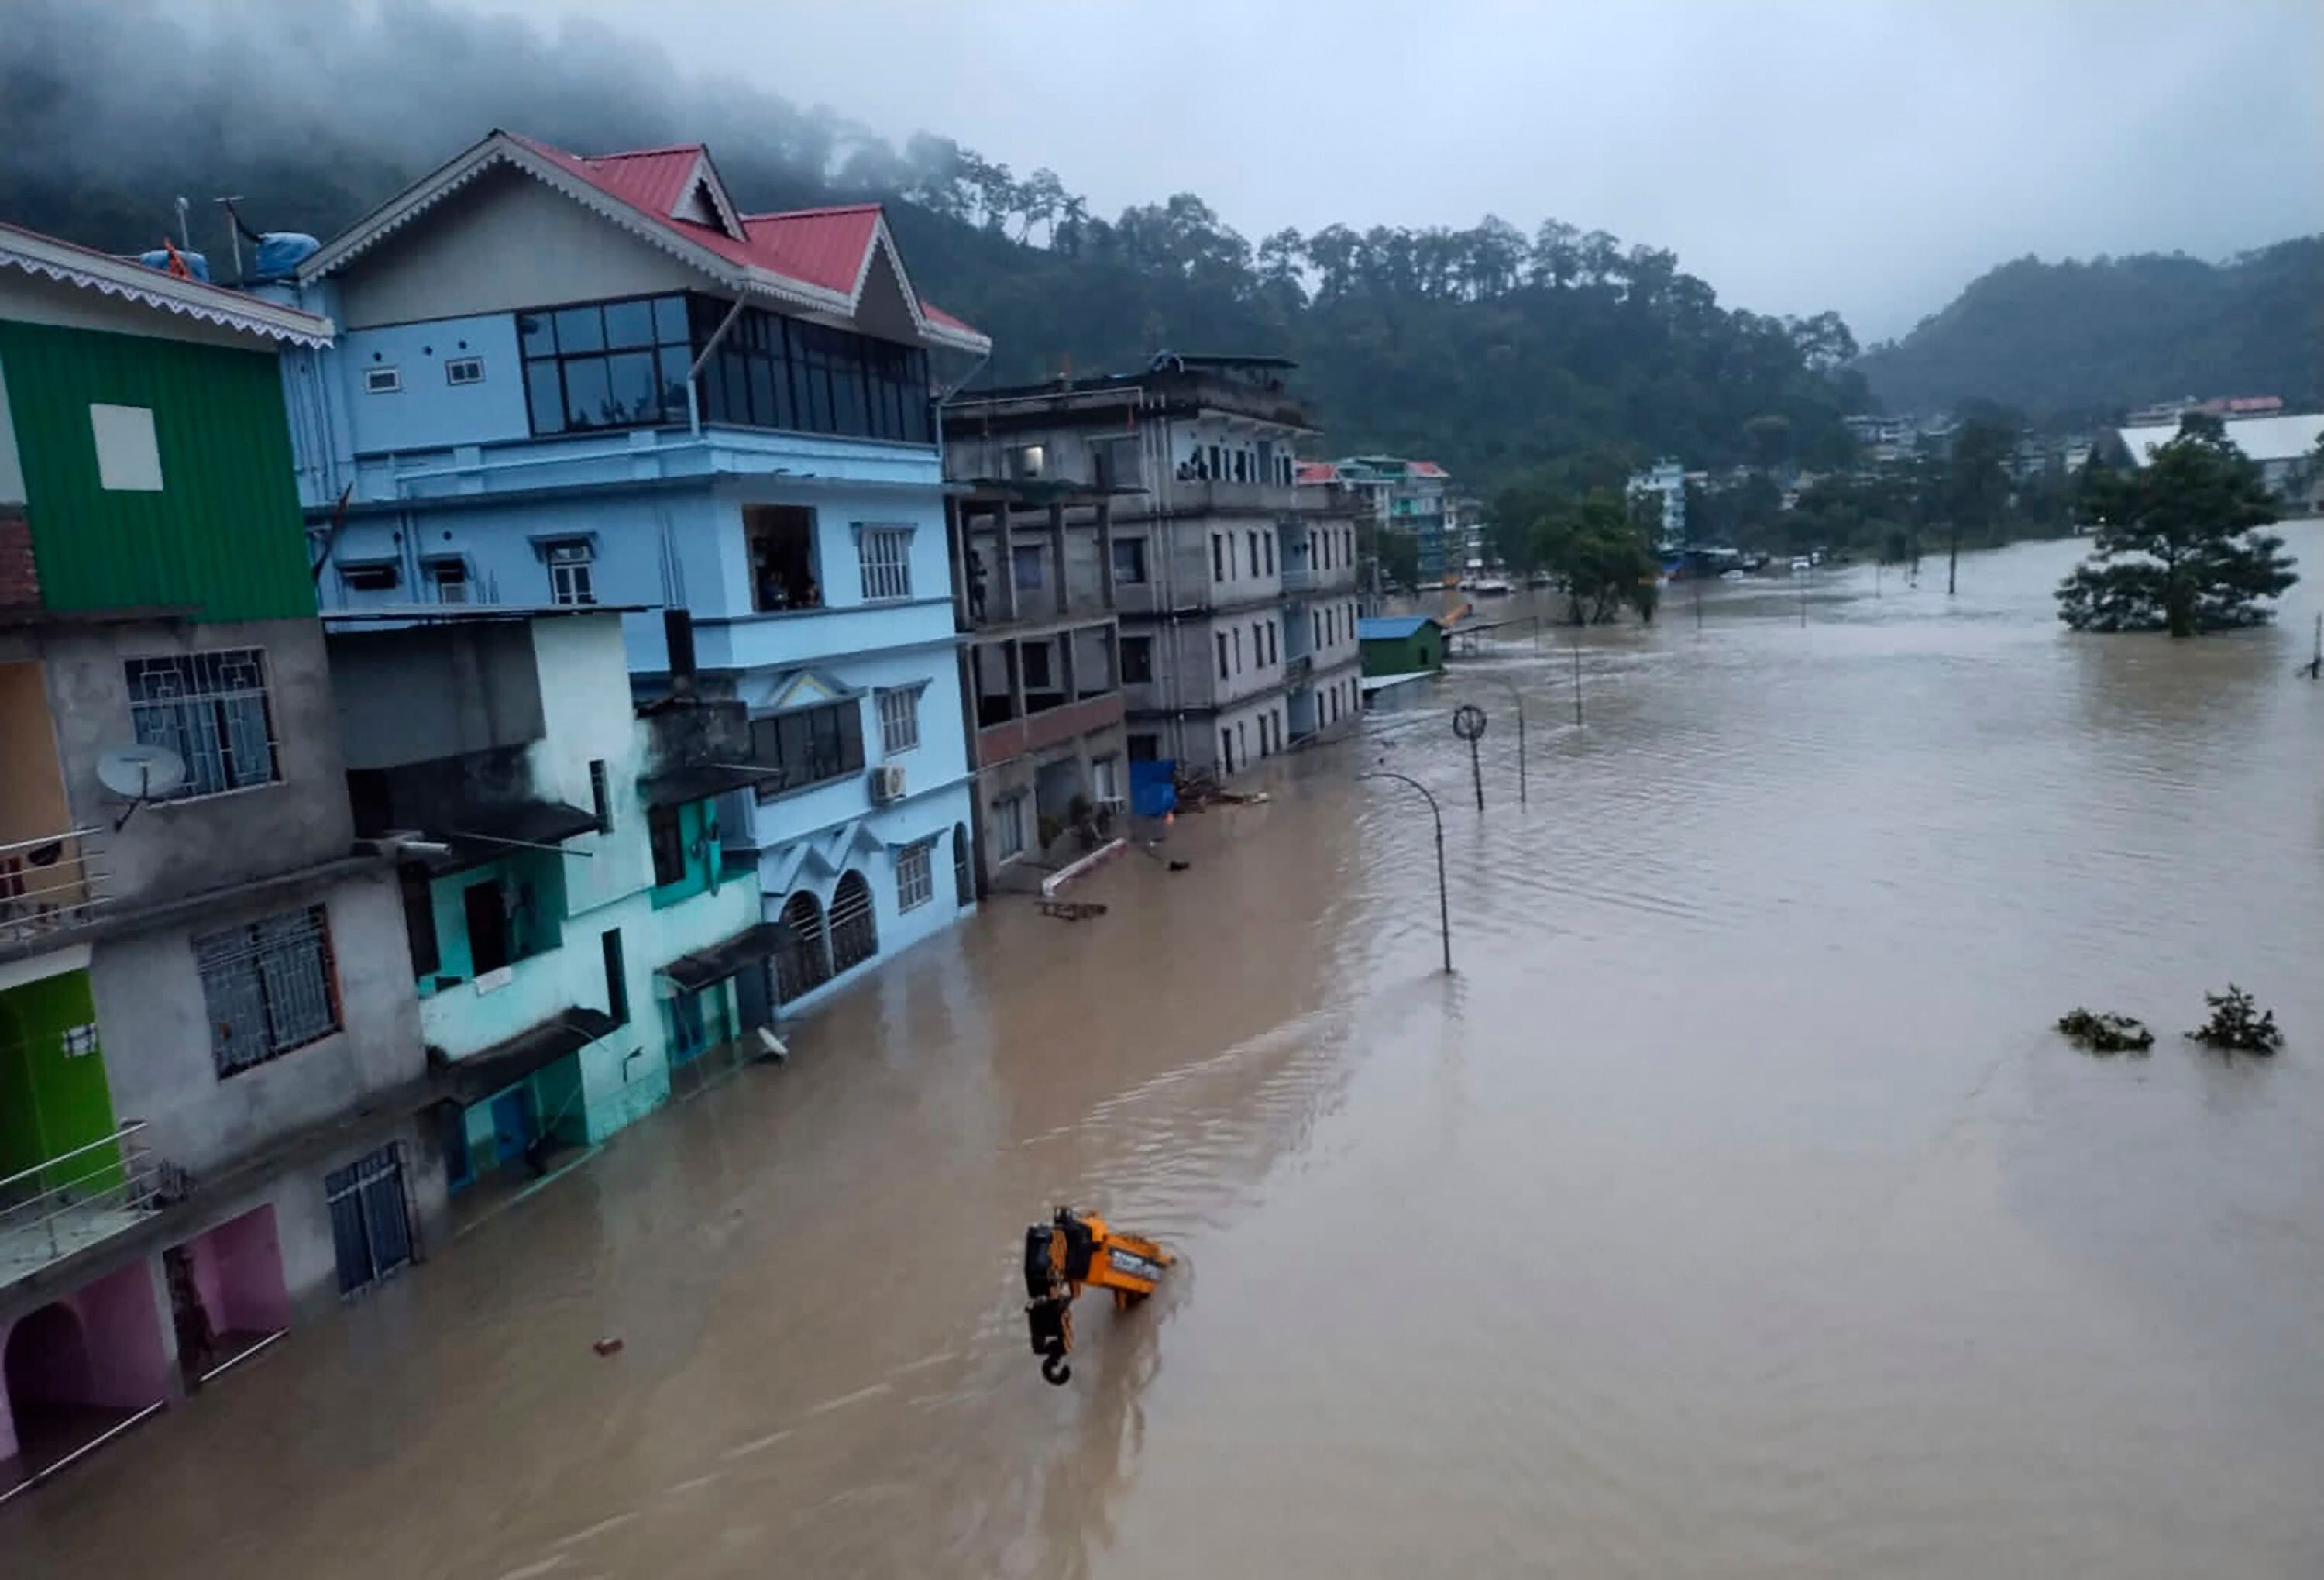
(888, 783)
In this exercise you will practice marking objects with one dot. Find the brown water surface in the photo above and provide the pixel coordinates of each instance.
(1732, 1212)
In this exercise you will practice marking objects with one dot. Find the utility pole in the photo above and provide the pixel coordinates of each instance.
(1444, 904)
(1577, 680)
(185, 235)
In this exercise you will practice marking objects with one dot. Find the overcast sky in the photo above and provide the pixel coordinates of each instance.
(1872, 155)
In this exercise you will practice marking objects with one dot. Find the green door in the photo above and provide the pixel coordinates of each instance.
(54, 1097)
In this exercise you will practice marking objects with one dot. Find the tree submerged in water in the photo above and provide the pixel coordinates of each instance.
(2106, 1034)
(2177, 549)
(2237, 1024)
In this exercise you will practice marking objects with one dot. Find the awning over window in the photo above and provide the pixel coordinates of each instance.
(698, 970)
(699, 784)
(490, 833)
(480, 1075)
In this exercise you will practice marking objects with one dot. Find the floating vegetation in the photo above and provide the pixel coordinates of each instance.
(2238, 1025)
(2106, 1034)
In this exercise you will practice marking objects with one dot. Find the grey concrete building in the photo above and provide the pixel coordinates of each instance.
(1234, 585)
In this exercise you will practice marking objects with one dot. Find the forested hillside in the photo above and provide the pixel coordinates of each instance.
(2076, 342)
(1494, 349)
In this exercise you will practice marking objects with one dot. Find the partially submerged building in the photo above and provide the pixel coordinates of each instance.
(211, 1076)
(1234, 585)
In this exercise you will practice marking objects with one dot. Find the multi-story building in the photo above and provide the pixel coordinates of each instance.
(211, 1073)
(583, 381)
(1033, 585)
(1665, 484)
(1234, 585)
(1409, 496)
(577, 940)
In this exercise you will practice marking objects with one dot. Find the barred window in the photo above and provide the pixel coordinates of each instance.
(268, 987)
(899, 719)
(915, 883)
(211, 710)
(885, 554)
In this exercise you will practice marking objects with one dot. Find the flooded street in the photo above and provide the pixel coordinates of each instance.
(1733, 1210)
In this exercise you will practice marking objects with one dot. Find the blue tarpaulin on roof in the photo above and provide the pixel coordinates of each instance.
(1153, 788)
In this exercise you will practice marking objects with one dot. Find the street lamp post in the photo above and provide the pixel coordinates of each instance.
(1469, 723)
(1444, 904)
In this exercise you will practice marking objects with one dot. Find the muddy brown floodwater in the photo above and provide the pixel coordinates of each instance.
(1732, 1212)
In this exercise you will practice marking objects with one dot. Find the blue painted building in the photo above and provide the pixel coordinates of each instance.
(568, 381)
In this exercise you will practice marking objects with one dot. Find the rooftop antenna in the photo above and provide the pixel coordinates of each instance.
(232, 230)
(140, 773)
(185, 237)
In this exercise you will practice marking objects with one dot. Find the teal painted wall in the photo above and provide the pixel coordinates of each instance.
(50, 1102)
(696, 823)
(223, 535)
(534, 931)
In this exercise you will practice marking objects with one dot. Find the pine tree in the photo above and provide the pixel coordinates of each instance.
(2177, 549)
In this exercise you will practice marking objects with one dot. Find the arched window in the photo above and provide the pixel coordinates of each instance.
(964, 873)
(855, 930)
(802, 962)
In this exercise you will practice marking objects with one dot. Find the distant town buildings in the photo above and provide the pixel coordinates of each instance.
(1411, 497)
(1665, 484)
(2282, 446)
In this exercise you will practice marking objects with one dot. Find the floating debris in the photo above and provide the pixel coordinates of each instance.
(608, 1346)
(1072, 909)
(2105, 1034)
(2237, 1024)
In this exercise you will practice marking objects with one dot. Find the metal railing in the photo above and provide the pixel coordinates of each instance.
(106, 1185)
(50, 884)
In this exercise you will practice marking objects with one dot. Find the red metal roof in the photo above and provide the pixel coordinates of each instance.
(1318, 472)
(1425, 470)
(820, 247)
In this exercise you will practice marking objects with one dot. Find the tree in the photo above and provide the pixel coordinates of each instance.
(1977, 484)
(1601, 555)
(2177, 549)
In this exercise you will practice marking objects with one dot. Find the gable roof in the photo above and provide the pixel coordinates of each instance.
(815, 259)
(45, 256)
(1391, 627)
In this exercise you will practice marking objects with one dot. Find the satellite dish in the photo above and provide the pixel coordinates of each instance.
(140, 773)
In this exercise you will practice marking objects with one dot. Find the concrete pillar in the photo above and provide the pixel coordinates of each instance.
(956, 547)
(1068, 666)
(1105, 552)
(1016, 679)
(1006, 571)
(1057, 555)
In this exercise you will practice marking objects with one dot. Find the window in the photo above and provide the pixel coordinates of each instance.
(964, 875)
(884, 555)
(463, 370)
(450, 577)
(617, 981)
(915, 883)
(267, 987)
(773, 372)
(1236, 635)
(802, 961)
(808, 745)
(666, 835)
(128, 458)
(1274, 648)
(371, 575)
(1315, 620)
(1242, 466)
(855, 929)
(1145, 748)
(1130, 560)
(1253, 562)
(1105, 779)
(79, 1041)
(781, 543)
(1026, 559)
(382, 381)
(1035, 657)
(211, 710)
(1270, 554)
(900, 718)
(371, 1228)
(572, 573)
(1215, 471)
(1223, 655)
(601, 795)
(1008, 825)
(604, 364)
(1218, 557)
(1226, 750)
(1027, 462)
(1137, 659)
(1114, 464)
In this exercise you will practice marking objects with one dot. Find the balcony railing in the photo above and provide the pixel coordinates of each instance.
(49, 884)
(77, 1199)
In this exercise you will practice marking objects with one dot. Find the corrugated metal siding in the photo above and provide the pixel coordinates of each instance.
(223, 535)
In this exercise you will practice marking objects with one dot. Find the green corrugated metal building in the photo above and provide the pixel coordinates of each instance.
(149, 451)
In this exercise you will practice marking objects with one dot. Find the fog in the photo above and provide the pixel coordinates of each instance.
(1872, 157)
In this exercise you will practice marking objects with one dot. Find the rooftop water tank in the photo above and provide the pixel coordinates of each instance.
(280, 253)
(158, 258)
